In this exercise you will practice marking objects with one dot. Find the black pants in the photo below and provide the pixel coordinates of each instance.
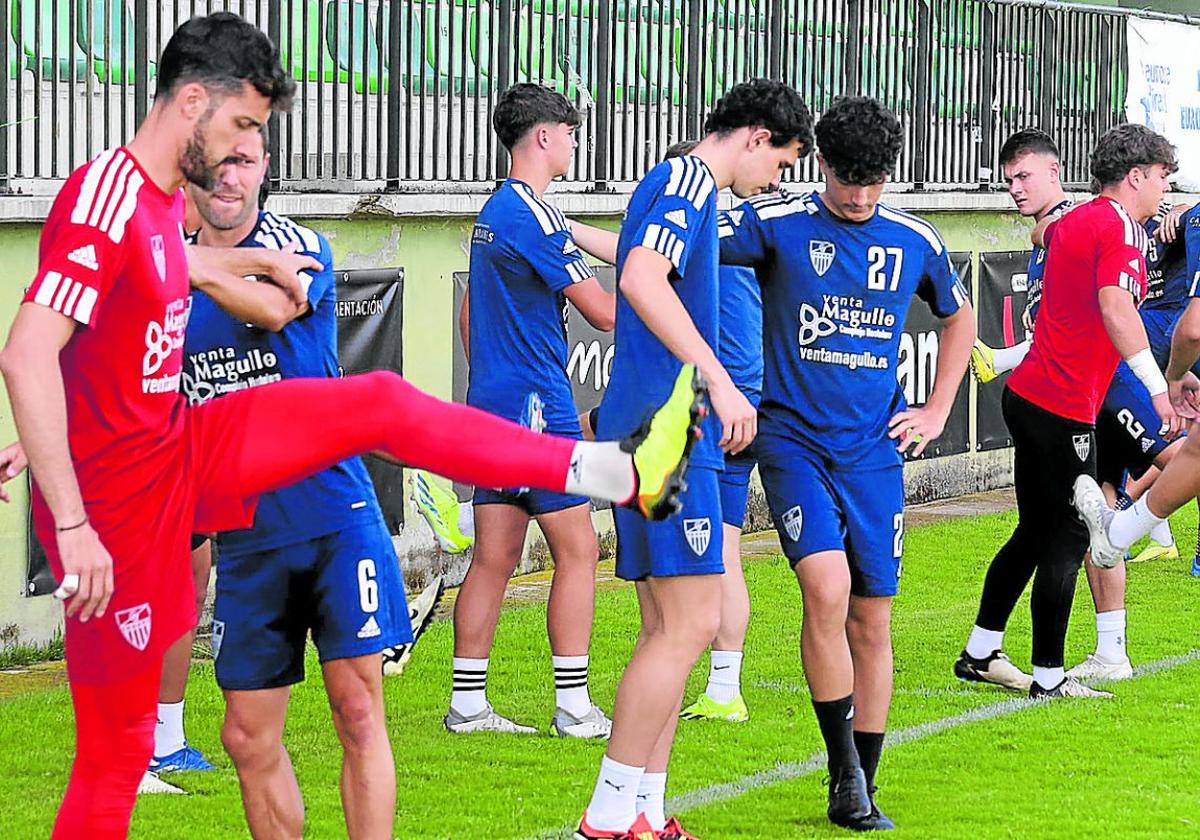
(1050, 540)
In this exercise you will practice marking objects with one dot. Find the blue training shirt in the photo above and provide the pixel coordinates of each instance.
(741, 341)
(1166, 265)
(221, 355)
(673, 211)
(1037, 268)
(835, 298)
(522, 258)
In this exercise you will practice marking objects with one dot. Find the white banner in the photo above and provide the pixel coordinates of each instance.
(1164, 88)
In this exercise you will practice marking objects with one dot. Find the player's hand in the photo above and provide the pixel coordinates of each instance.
(1027, 321)
(284, 267)
(1172, 422)
(87, 584)
(12, 464)
(1184, 395)
(1168, 231)
(739, 419)
(916, 428)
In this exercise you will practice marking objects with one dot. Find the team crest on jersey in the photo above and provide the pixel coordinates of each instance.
(793, 522)
(1083, 445)
(698, 533)
(158, 250)
(134, 624)
(821, 254)
(218, 636)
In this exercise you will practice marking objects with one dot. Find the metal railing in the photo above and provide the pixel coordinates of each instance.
(398, 94)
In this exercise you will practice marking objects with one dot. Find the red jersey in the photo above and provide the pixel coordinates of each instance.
(1072, 360)
(112, 258)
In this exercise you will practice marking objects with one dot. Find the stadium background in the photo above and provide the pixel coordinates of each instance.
(389, 154)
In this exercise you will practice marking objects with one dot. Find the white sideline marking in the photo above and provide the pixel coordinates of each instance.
(794, 770)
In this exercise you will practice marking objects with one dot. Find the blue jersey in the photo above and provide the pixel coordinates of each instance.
(1166, 267)
(673, 211)
(522, 258)
(222, 354)
(835, 298)
(741, 347)
(1037, 268)
(1191, 239)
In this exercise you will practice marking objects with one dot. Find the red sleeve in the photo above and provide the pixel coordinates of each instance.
(79, 254)
(1120, 255)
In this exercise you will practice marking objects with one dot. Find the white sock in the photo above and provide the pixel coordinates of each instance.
(614, 801)
(469, 694)
(1048, 677)
(571, 684)
(1161, 533)
(652, 792)
(1133, 523)
(1007, 358)
(982, 643)
(724, 675)
(600, 469)
(1110, 636)
(168, 731)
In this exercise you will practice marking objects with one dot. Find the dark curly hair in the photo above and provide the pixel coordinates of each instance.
(766, 103)
(859, 139)
(1129, 146)
(1027, 141)
(525, 105)
(223, 52)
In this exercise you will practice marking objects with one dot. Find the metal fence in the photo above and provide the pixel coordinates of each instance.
(398, 94)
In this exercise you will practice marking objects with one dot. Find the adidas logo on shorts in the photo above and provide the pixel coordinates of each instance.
(370, 629)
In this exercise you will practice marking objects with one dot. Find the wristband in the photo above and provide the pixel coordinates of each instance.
(1146, 369)
(73, 527)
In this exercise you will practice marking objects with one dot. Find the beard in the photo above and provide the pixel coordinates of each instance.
(194, 163)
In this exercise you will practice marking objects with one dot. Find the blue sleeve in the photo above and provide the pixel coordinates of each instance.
(674, 215)
(556, 258)
(743, 236)
(940, 287)
(321, 281)
(1191, 238)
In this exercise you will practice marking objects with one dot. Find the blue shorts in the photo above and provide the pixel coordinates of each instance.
(1127, 427)
(688, 543)
(534, 502)
(819, 506)
(345, 587)
(735, 486)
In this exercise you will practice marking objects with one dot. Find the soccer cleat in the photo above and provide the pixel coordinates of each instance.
(440, 509)
(594, 724)
(983, 363)
(420, 614)
(674, 831)
(152, 784)
(185, 759)
(640, 830)
(1154, 551)
(849, 800)
(1095, 668)
(660, 448)
(1067, 688)
(996, 669)
(706, 708)
(486, 721)
(1093, 509)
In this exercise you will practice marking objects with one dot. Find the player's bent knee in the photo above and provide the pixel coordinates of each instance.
(357, 720)
(248, 748)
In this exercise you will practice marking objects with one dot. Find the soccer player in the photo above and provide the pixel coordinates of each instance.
(525, 267)
(667, 304)
(839, 272)
(125, 472)
(1030, 163)
(1095, 277)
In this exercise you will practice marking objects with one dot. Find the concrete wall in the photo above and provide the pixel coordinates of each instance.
(429, 236)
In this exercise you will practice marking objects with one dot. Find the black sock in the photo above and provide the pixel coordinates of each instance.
(869, 746)
(836, 719)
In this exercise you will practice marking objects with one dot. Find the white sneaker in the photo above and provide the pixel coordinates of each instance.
(1095, 668)
(151, 784)
(1096, 514)
(594, 724)
(486, 721)
(1067, 688)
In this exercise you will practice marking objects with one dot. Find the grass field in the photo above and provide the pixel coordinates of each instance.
(1122, 768)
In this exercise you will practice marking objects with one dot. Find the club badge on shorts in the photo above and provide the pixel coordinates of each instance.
(793, 522)
(1083, 445)
(698, 533)
(134, 624)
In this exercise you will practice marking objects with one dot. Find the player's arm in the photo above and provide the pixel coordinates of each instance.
(1172, 224)
(464, 323)
(283, 268)
(30, 366)
(264, 305)
(600, 243)
(645, 284)
(743, 238)
(556, 258)
(594, 303)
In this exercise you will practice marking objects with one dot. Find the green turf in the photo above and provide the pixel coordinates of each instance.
(1123, 768)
